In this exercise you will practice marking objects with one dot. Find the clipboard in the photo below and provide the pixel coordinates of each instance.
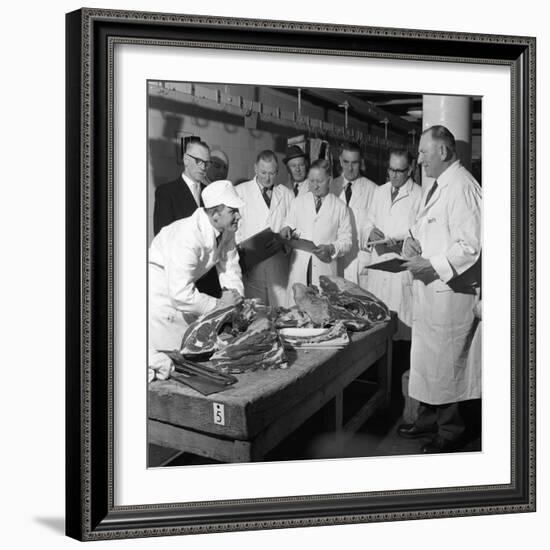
(254, 250)
(395, 265)
(301, 244)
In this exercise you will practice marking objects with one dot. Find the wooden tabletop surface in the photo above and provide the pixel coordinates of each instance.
(259, 396)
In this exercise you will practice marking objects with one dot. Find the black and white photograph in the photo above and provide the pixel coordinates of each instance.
(314, 260)
(300, 274)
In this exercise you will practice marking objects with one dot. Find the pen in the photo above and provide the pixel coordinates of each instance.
(410, 233)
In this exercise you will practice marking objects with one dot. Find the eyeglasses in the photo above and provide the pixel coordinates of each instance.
(398, 171)
(199, 161)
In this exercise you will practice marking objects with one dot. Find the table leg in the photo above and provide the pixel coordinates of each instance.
(242, 451)
(385, 372)
(339, 411)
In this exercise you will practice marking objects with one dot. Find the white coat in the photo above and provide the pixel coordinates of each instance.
(394, 220)
(331, 225)
(351, 265)
(303, 187)
(443, 369)
(267, 280)
(179, 255)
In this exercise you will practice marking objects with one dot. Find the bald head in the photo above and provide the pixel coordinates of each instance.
(218, 167)
(436, 150)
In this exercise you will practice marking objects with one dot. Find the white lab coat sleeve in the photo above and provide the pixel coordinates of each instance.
(342, 245)
(370, 221)
(290, 219)
(465, 233)
(229, 272)
(181, 274)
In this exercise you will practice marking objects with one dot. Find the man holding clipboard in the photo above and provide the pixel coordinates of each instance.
(445, 360)
(264, 210)
(392, 211)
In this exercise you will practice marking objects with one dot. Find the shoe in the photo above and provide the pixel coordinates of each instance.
(412, 431)
(440, 445)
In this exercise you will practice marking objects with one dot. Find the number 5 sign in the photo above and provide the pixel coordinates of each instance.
(219, 413)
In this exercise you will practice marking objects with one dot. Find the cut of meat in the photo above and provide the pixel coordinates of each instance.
(201, 336)
(246, 312)
(356, 300)
(291, 318)
(315, 306)
(258, 347)
(323, 312)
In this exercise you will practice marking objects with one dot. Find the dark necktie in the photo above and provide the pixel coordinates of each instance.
(296, 190)
(318, 203)
(218, 239)
(265, 194)
(394, 192)
(348, 193)
(431, 192)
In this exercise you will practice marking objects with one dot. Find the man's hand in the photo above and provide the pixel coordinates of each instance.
(421, 269)
(286, 233)
(411, 248)
(376, 235)
(324, 252)
(230, 298)
(394, 246)
(381, 249)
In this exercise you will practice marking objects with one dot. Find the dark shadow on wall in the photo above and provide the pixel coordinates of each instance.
(464, 153)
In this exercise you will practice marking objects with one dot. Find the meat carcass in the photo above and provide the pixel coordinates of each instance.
(322, 311)
(315, 306)
(212, 330)
(201, 336)
(350, 296)
(259, 347)
(292, 317)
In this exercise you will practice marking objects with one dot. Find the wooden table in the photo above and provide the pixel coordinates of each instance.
(245, 422)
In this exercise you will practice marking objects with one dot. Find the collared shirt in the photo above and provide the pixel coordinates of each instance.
(297, 188)
(262, 187)
(194, 187)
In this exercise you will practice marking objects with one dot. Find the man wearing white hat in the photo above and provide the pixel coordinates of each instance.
(182, 253)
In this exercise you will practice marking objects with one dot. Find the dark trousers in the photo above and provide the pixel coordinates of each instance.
(445, 420)
(451, 420)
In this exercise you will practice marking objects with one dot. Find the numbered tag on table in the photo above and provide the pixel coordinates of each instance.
(219, 413)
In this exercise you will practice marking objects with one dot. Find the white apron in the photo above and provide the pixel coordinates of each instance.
(444, 368)
(303, 187)
(267, 280)
(394, 220)
(331, 225)
(351, 265)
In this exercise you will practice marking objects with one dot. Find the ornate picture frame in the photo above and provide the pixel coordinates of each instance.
(91, 509)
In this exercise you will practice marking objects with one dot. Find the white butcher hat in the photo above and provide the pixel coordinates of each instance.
(221, 192)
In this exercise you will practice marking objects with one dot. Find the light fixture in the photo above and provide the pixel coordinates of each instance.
(416, 113)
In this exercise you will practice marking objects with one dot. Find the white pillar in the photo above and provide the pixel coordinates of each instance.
(455, 113)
